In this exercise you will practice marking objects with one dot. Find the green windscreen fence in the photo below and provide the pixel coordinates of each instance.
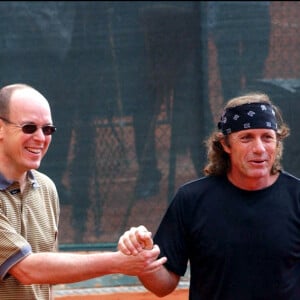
(136, 87)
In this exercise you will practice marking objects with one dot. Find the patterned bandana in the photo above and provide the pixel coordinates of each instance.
(248, 116)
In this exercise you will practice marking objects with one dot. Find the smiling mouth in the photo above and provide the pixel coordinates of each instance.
(34, 150)
(258, 163)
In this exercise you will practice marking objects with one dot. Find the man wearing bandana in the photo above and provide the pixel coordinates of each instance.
(238, 227)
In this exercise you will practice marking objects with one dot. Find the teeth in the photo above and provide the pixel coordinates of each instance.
(33, 150)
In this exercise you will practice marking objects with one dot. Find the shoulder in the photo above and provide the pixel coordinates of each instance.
(289, 182)
(203, 183)
(44, 184)
(289, 178)
(42, 178)
(200, 190)
(46, 189)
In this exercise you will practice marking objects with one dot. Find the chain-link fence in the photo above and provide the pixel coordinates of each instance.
(135, 87)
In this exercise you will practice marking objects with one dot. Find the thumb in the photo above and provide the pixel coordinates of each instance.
(145, 238)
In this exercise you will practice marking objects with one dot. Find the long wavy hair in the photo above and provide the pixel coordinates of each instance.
(219, 161)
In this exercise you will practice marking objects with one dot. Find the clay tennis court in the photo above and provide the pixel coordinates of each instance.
(179, 294)
(116, 287)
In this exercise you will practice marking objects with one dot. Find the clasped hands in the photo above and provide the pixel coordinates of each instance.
(138, 241)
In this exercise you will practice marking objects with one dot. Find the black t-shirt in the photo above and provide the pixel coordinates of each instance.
(241, 245)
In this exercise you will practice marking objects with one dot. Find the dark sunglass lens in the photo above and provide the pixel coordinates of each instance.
(29, 128)
(48, 130)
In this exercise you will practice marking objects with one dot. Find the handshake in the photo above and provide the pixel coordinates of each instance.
(135, 240)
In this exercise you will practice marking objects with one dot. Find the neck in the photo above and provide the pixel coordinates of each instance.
(11, 175)
(252, 184)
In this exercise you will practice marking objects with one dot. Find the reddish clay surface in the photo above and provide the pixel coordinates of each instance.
(180, 294)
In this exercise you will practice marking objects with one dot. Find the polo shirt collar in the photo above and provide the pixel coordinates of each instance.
(5, 183)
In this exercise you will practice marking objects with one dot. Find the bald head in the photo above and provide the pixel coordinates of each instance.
(8, 92)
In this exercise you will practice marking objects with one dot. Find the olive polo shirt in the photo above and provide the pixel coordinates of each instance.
(28, 224)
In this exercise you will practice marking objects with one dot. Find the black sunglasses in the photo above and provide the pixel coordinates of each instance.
(32, 128)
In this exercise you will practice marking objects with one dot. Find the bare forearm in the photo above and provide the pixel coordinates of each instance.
(161, 282)
(55, 268)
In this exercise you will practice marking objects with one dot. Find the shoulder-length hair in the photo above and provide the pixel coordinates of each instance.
(219, 161)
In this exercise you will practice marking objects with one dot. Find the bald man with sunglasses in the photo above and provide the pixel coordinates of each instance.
(29, 209)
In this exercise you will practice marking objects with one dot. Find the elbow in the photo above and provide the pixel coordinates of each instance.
(25, 280)
(23, 274)
(164, 292)
(21, 277)
(160, 283)
(158, 290)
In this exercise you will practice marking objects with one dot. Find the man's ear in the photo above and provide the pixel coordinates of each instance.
(225, 144)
